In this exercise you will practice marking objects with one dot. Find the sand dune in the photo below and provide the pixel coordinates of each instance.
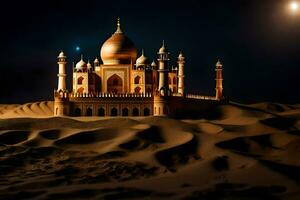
(235, 152)
(37, 109)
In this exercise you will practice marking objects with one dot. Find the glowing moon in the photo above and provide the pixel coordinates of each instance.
(294, 6)
(77, 48)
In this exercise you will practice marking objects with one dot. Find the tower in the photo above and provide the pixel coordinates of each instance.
(61, 95)
(163, 58)
(181, 62)
(219, 81)
(61, 72)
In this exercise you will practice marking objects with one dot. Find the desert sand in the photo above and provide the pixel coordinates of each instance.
(234, 152)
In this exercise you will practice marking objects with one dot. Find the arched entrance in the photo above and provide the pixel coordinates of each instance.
(101, 112)
(77, 112)
(135, 112)
(115, 84)
(89, 112)
(125, 112)
(146, 111)
(114, 112)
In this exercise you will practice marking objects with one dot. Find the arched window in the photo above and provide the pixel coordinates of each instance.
(79, 80)
(80, 90)
(149, 90)
(77, 112)
(89, 112)
(101, 112)
(146, 111)
(114, 112)
(169, 80)
(125, 112)
(137, 80)
(137, 90)
(135, 112)
(56, 111)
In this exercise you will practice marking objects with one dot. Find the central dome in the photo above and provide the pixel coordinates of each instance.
(118, 49)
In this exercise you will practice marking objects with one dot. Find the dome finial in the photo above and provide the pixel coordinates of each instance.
(163, 43)
(142, 51)
(81, 56)
(219, 64)
(118, 26)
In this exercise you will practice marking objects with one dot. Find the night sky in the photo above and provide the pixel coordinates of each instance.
(258, 42)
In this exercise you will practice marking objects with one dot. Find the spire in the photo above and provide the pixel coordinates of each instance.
(118, 26)
(142, 52)
(219, 64)
(162, 49)
(81, 56)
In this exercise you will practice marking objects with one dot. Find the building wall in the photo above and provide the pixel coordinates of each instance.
(135, 74)
(173, 82)
(140, 104)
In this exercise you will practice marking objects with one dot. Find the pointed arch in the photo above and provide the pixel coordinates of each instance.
(101, 112)
(80, 80)
(89, 112)
(114, 112)
(137, 90)
(114, 84)
(77, 112)
(125, 112)
(137, 80)
(146, 111)
(135, 112)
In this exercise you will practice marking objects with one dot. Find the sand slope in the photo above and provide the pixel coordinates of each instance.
(236, 152)
(36, 109)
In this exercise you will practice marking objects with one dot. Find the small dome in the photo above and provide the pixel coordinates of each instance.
(61, 55)
(81, 64)
(162, 49)
(153, 64)
(181, 55)
(96, 60)
(142, 60)
(219, 64)
(89, 66)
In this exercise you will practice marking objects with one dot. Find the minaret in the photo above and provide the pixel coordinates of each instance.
(219, 81)
(61, 96)
(163, 58)
(62, 72)
(181, 62)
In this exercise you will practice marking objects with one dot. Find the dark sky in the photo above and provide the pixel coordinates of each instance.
(258, 42)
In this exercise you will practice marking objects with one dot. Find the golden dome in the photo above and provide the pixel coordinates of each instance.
(118, 49)
(163, 49)
(81, 64)
(142, 60)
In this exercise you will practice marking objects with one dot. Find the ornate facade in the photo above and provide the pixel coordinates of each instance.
(124, 85)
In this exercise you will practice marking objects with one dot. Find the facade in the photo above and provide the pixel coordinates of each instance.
(124, 85)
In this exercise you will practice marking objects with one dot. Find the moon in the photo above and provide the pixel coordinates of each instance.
(294, 6)
(77, 48)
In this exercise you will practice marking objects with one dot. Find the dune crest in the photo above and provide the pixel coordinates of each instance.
(235, 151)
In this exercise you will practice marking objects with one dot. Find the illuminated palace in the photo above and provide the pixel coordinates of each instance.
(124, 85)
